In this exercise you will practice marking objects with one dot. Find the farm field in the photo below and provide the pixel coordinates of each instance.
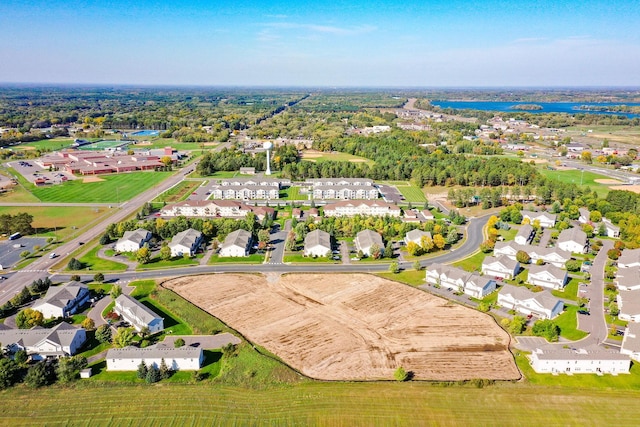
(111, 189)
(316, 403)
(354, 326)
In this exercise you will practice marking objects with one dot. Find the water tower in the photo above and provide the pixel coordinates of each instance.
(268, 146)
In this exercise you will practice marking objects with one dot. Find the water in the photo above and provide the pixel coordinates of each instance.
(146, 133)
(547, 107)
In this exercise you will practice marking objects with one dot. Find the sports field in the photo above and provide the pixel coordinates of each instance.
(576, 176)
(320, 156)
(354, 326)
(114, 189)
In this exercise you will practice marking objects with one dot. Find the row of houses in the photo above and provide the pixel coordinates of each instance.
(553, 256)
(186, 242)
(215, 209)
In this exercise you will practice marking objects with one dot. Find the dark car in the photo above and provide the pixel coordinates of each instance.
(585, 312)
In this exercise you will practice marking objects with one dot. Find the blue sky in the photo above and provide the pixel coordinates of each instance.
(321, 43)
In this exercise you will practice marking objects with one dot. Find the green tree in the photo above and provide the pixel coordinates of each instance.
(25, 254)
(165, 372)
(547, 329)
(88, 324)
(388, 250)
(522, 257)
(74, 264)
(178, 342)
(142, 371)
(103, 334)
(21, 357)
(143, 255)
(165, 253)
(573, 265)
(394, 267)
(123, 337)
(517, 324)
(9, 372)
(68, 368)
(39, 375)
(116, 291)
(153, 375)
(400, 374)
(28, 318)
(375, 251)
(417, 266)
(98, 277)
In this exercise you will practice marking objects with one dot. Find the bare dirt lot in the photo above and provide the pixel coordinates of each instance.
(633, 188)
(355, 326)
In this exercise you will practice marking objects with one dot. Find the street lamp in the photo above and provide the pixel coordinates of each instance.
(581, 175)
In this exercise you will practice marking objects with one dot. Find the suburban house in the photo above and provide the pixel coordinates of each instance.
(548, 276)
(136, 313)
(631, 341)
(629, 258)
(545, 219)
(245, 192)
(416, 236)
(361, 207)
(185, 242)
(573, 240)
(540, 304)
(452, 277)
(179, 359)
(236, 244)
(502, 267)
(215, 209)
(356, 182)
(317, 243)
(585, 216)
(629, 305)
(366, 239)
(131, 241)
(345, 192)
(40, 343)
(554, 256)
(594, 360)
(612, 229)
(524, 235)
(63, 300)
(627, 279)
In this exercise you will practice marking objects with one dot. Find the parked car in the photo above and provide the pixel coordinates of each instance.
(585, 312)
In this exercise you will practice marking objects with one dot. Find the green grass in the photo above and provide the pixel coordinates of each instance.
(335, 157)
(568, 323)
(409, 277)
(94, 263)
(292, 193)
(508, 235)
(143, 288)
(576, 176)
(412, 194)
(45, 144)
(298, 257)
(114, 188)
(178, 192)
(472, 263)
(168, 142)
(157, 262)
(251, 259)
(570, 291)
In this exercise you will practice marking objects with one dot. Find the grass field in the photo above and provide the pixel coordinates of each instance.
(292, 193)
(568, 323)
(319, 157)
(178, 192)
(576, 176)
(114, 188)
(94, 263)
(409, 277)
(299, 257)
(412, 194)
(251, 259)
(169, 142)
(471, 263)
(58, 220)
(157, 262)
(45, 144)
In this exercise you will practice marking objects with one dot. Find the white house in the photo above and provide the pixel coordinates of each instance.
(138, 314)
(629, 305)
(547, 276)
(362, 207)
(131, 241)
(503, 267)
(179, 359)
(185, 242)
(585, 216)
(554, 256)
(546, 219)
(540, 304)
(236, 244)
(317, 243)
(571, 361)
(366, 239)
(631, 341)
(627, 279)
(63, 300)
(573, 240)
(215, 209)
(612, 229)
(40, 343)
(524, 235)
(345, 192)
(629, 258)
(416, 236)
(471, 284)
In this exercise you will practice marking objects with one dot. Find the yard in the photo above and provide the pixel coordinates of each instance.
(412, 194)
(178, 192)
(251, 259)
(568, 323)
(471, 263)
(113, 188)
(92, 262)
(298, 257)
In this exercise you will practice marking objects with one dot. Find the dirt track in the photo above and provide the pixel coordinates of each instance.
(355, 326)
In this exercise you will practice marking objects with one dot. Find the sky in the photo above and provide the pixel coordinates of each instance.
(358, 43)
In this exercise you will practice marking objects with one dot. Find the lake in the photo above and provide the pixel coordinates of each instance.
(547, 107)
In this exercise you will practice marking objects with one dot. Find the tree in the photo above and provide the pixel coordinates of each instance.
(143, 255)
(586, 157)
(613, 254)
(426, 243)
(68, 368)
(74, 264)
(166, 160)
(88, 324)
(417, 266)
(142, 371)
(394, 267)
(28, 318)
(375, 251)
(165, 372)
(123, 337)
(487, 246)
(517, 324)
(595, 216)
(39, 375)
(264, 236)
(98, 277)
(75, 278)
(21, 357)
(145, 331)
(400, 374)
(153, 375)
(25, 254)
(547, 329)
(116, 291)
(165, 253)
(9, 372)
(413, 249)
(516, 216)
(588, 229)
(103, 334)
(522, 257)
(179, 342)
(21, 297)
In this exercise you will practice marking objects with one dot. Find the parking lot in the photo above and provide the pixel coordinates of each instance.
(10, 250)
(390, 194)
(31, 171)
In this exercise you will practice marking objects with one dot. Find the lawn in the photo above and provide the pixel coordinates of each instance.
(45, 144)
(59, 221)
(508, 235)
(576, 176)
(412, 194)
(409, 277)
(471, 263)
(568, 323)
(115, 188)
(292, 193)
(157, 262)
(178, 192)
(169, 142)
(298, 257)
(570, 291)
(94, 263)
(251, 259)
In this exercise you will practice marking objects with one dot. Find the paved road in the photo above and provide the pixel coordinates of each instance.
(596, 323)
(278, 240)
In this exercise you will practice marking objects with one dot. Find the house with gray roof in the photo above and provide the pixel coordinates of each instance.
(317, 243)
(591, 360)
(627, 279)
(547, 276)
(545, 219)
(237, 244)
(366, 239)
(178, 359)
(62, 301)
(540, 304)
(524, 235)
(137, 314)
(40, 343)
(629, 258)
(554, 256)
(612, 229)
(185, 242)
(471, 284)
(502, 267)
(416, 236)
(631, 341)
(131, 241)
(573, 240)
(629, 305)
